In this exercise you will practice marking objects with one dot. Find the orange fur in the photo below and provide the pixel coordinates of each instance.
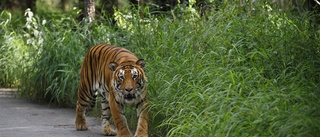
(118, 75)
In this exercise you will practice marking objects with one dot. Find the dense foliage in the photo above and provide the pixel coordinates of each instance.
(231, 73)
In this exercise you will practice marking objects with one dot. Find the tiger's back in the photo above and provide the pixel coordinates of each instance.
(118, 75)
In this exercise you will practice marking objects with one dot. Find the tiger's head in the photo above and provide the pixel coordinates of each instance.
(128, 81)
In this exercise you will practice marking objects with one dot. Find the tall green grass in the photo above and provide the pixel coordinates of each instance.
(231, 73)
(54, 74)
(12, 49)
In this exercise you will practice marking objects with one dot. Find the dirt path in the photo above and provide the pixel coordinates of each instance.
(22, 118)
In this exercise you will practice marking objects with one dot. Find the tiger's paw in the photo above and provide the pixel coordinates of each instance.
(125, 135)
(81, 124)
(141, 135)
(109, 131)
(81, 127)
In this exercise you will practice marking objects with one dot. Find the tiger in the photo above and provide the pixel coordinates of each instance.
(118, 76)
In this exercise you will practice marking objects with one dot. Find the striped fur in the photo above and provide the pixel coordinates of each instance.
(118, 76)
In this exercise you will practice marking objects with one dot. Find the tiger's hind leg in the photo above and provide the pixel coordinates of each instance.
(84, 104)
(81, 123)
(107, 129)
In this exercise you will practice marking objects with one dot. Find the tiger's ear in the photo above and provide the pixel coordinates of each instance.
(141, 63)
(113, 66)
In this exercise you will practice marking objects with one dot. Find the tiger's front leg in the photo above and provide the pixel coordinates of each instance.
(143, 115)
(119, 118)
(105, 118)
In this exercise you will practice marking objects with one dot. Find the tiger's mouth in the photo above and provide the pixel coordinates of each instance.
(130, 97)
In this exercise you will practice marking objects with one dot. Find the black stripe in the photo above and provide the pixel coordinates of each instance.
(142, 100)
(142, 126)
(84, 105)
(121, 58)
(144, 118)
(143, 110)
(123, 127)
(105, 116)
(105, 87)
(86, 93)
(123, 51)
(113, 53)
(104, 109)
(82, 98)
(119, 51)
(104, 101)
(116, 100)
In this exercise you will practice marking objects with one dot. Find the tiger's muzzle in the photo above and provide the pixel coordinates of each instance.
(130, 97)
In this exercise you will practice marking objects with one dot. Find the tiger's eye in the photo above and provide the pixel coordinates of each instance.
(121, 77)
(134, 76)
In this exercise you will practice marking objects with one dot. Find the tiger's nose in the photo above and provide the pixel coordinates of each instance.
(129, 89)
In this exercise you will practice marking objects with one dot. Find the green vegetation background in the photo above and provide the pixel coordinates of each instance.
(234, 72)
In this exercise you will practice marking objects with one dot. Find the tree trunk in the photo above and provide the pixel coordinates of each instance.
(89, 10)
(63, 5)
